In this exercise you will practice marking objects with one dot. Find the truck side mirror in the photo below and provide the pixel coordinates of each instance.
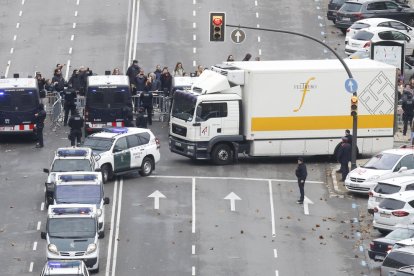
(106, 200)
(43, 235)
(46, 170)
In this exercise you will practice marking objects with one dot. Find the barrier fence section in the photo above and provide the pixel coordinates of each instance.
(161, 104)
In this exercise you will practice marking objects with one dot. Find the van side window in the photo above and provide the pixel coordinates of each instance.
(407, 161)
(133, 141)
(213, 110)
(121, 144)
(144, 138)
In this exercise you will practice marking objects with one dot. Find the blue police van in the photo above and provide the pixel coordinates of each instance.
(19, 102)
(107, 99)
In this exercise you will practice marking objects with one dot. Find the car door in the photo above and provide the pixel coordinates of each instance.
(136, 149)
(122, 155)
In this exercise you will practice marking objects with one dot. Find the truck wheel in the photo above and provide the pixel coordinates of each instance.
(147, 166)
(107, 173)
(222, 154)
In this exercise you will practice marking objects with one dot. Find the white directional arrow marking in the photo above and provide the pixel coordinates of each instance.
(238, 35)
(157, 195)
(232, 197)
(306, 202)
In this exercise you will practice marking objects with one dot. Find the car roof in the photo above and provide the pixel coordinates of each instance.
(399, 180)
(375, 20)
(113, 132)
(403, 196)
(399, 151)
(376, 30)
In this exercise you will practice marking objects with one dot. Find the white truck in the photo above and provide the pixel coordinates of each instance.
(282, 108)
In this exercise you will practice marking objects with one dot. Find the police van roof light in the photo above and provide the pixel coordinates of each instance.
(118, 130)
(72, 152)
(71, 210)
(63, 264)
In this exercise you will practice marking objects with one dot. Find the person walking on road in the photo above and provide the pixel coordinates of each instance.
(146, 102)
(76, 123)
(301, 173)
(344, 157)
(40, 124)
(408, 112)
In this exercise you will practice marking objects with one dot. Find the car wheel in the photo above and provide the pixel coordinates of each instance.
(222, 154)
(101, 235)
(343, 31)
(96, 270)
(147, 166)
(107, 173)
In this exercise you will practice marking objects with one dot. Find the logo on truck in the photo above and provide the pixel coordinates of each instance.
(305, 87)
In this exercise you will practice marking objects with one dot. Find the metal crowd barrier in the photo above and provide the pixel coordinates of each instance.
(56, 114)
(160, 104)
(49, 101)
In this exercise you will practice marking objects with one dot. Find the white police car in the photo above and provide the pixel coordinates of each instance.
(64, 267)
(122, 150)
(81, 188)
(72, 234)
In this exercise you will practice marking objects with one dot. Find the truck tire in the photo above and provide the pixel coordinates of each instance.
(107, 173)
(147, 166)
(222, 154)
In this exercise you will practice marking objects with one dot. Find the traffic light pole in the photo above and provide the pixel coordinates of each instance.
(354, 117)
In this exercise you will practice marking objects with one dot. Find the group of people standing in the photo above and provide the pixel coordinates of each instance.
(405, 97)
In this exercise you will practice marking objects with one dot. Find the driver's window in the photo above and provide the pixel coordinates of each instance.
(121, 144)
(207, 111)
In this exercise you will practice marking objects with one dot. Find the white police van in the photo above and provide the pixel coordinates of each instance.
(81, 188)
(64, 267)
(125, 149)
(72, 234)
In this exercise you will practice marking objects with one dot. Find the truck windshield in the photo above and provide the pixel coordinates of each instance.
(18, 99)
(72, 227)
(108, 97)
(83, 194)
(183, 105)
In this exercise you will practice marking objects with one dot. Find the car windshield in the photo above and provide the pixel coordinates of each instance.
(72, 227)
(386, 189)
(382, 161)
(183, 105)
(71, 165)
(401, 234)
(98, 144)
(351, 7)
(363, 35)
(391, 204)
(83, 194)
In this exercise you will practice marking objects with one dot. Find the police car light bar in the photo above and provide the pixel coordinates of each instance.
(118, 130)
(71, 210)
(71, 152)
(77, 177)
(63, 264)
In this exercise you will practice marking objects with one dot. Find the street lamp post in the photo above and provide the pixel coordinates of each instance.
(354, 116)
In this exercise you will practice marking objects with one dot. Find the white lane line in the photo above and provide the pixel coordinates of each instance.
(7, 69)
(194, 2)
(111, 232)
(131, 34)
(34, 246)
(258, 39)
(194, 13)
(20, 13)
(272, 210)
(255, 3)
(70, 50)
(194, 25)
(275, 253)
(76, 13)
(258, 25)
(136, 30)
(194, 37)
(67, 69)
(257, 15)
(39, 223)
(23, 2)
(276, 272)
(260, 52)
(77, 2)
(11, 51)
(42, 206)
(194, 50)
(14, 37)
(118, 217)
(74, 25)
(193, 204)
(193, 249)
(31, 267)
(194, 63)
(232, 178)
(17, 25)
(193, 271)
(72, 37)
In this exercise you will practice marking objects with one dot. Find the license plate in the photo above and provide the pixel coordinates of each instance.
(346, 19)
(380, 258)
(7, 128)
(178, 144)
(385, 215)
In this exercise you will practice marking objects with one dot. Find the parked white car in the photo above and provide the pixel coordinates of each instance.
(389, 187)
(362, 40)
(377, 22)
(364, 178)
(394, 210)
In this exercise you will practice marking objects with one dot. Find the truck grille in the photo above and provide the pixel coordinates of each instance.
(182, 131)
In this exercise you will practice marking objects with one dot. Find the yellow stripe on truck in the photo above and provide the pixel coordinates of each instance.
(320, 122)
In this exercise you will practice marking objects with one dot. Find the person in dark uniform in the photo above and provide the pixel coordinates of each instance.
(301, 173)
(344, 157)
(348, 136)
(40, 124)
(146, 103)
(69, 104)
(141, 120)
(408, 112)
(127, 116)
(76, 123)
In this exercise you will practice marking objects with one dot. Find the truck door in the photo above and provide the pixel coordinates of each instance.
(209, 120)
(122, 155)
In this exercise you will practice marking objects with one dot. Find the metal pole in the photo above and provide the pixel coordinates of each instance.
(355, 117)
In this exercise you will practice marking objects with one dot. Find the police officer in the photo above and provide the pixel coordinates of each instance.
(146, 103)
(408, 109)
(127, 116)
(40, 117)
(141, 120)
(69, 103)
(76, 123)
(344, 157)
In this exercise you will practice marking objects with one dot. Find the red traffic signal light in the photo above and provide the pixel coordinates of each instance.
(217, 26)
(354, 106)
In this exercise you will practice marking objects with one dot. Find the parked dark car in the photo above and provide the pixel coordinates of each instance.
(352, 11)
(333, 7)
(379, 248)
(397, 259)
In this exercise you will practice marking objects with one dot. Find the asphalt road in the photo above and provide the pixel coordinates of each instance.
(194, 231)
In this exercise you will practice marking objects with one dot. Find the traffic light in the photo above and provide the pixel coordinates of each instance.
(217, 26)
(354, 106)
